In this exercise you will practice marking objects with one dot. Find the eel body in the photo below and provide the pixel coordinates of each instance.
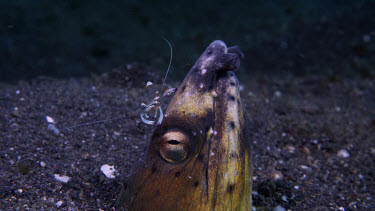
(199, 157)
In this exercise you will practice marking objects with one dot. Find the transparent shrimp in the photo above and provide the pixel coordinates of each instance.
(153, 113)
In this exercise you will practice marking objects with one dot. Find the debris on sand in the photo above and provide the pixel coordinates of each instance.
(343, 153)
(108, 171)
(63, 178)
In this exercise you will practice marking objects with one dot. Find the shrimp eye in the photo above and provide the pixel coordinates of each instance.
(174, 146)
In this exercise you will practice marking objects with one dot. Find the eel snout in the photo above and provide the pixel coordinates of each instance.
(218, 57)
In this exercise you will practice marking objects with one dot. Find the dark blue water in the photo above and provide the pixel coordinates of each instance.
(77, 38)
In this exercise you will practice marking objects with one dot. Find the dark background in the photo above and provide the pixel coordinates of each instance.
(79, 37)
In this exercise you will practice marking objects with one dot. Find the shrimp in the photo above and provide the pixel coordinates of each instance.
(153, 113)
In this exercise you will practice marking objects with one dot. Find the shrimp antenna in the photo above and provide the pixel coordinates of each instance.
(170, 61)
(95, 122)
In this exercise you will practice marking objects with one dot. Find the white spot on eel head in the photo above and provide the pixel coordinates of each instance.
(204, 71)
(201, 85)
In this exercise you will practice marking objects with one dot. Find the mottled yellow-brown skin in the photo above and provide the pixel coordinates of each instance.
(216, 174)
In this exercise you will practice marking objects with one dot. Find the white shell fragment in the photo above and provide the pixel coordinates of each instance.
(279, 208)
(343, 153)
(62, 178)
(59, 203)
(108, 171)
(149, 83)
(50, 120)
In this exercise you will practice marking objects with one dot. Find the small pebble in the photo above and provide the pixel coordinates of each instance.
(278, 94)
(284, 198)
(343, 153)
(304, 167)
(50, 120)
(108, 171)
(149, 83)
(353, 204)
(135, 146)
(52, 128)
(16, 112)
(279, 208)
(63, 178)
(59, 203)
(291, 149)
(83, 114)
(116, 133)
(277, 175)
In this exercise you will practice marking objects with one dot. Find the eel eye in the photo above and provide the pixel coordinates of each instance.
(174, 146)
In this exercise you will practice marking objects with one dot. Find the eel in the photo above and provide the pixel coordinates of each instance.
(199, 156)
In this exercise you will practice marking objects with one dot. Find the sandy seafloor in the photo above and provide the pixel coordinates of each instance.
(312, 138)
